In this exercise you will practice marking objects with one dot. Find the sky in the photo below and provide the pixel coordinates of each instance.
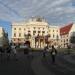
(56, 12)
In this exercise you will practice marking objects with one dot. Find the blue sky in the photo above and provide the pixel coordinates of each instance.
(56, 12)
(7, 27)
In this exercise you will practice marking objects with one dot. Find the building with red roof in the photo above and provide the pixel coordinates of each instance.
(66, 29)
(65, 34)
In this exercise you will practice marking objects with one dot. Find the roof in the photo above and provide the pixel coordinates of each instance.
(65, 30)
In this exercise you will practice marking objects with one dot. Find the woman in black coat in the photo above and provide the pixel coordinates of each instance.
(53, 54)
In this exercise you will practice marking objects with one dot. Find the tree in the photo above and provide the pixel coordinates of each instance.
(72, 39)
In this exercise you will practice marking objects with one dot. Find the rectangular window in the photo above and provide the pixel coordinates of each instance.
(39, 28)
(38, 31)
(14, 40)
(14, 28)
(34, 31)
(24, 28)
(49, 35)
(67, 40)
(53, 30)
(64, 40)
(19, 28)
(53, 35)
(28, 31)
(19, 34)
(43, 31)
(14, 34)
(19, 39)
(34, 27)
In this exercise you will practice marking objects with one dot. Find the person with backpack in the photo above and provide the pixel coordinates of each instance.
(53, 54)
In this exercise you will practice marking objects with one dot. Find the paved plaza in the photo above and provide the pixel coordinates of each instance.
(35, 64)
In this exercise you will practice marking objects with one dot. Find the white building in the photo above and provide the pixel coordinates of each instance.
(37, 31)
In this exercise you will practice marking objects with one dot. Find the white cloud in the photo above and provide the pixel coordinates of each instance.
(50, 9)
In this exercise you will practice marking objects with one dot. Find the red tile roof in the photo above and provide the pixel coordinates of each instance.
(65, 30)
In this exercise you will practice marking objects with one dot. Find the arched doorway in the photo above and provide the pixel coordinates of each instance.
(27, 43)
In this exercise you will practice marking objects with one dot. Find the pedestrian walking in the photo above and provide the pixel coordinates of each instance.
(26, 49)
(8, 51)
(45, 51)
(15, 52)
(53, 54)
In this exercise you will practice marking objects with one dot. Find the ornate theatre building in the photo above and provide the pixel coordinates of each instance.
(36, 31)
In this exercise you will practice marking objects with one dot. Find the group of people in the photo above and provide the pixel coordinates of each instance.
(13, 49)
(52, 51)
(8, 51)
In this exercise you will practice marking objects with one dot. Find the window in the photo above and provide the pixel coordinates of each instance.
(67, 40)
(53, 35)
(64, 40)
(24, 28)
(49, 35)
(53, 30)
(43, 28)
(14, 34)
(34, 31)
(19, 39)
(28, 31)
(34, 27)
(19, 34)
(14, 39)
(38, 28)
(14, 28)
(38, 31)
(64, 45)
(57, 37)
(43, 31)
(19, 28)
